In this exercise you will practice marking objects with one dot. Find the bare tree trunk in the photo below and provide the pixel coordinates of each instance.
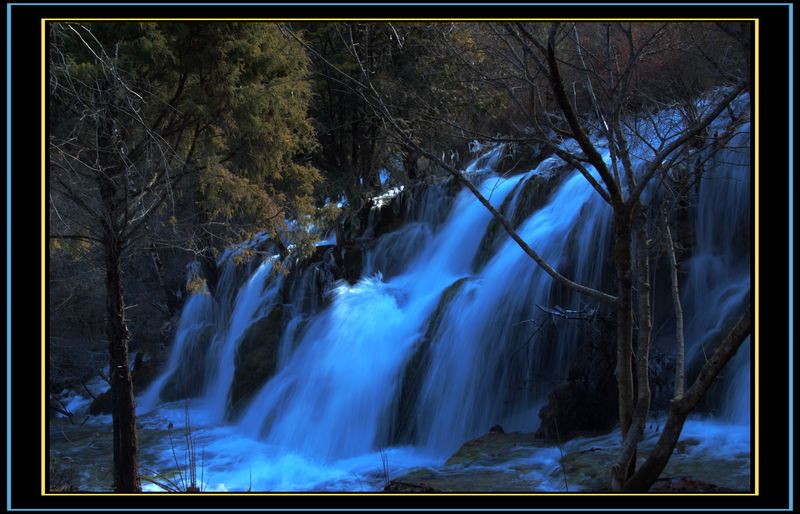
(676, 302)
(679, 410)
(112, 183)
(624, 311)
(126, 453)
(625, 465)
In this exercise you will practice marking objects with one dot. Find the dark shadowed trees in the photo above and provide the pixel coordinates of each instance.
(147, 116)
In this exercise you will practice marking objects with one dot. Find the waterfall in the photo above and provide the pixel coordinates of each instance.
(719, 269)
(438, 342)
(201, 361)
(252, 302)
(346, 373)
(477, 358)
(197, 316)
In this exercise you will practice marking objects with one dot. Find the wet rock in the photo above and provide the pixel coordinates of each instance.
(256, 357)
(102, 404)
(522, 462)
(521, 157)
(489, 241)
(484, 464)
(586, 404)
(405, 427)
(187, 381)
(685, 444)
(496, 444)
(308, 282)
(535, 192)
(144, 372)
(349, 261)
(532, 193)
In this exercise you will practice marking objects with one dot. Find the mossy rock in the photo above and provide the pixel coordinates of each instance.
(493, 445)
(522, 462)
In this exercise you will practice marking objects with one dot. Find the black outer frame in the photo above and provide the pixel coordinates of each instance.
(25, 137)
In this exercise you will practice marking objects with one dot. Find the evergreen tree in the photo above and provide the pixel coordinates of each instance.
(145, 115)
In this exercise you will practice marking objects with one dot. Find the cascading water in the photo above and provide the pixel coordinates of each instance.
(718, 281)
(195, 347)
(476, 356)
(197, 315)
(347, 370)
(252, 303)
(434, 345)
